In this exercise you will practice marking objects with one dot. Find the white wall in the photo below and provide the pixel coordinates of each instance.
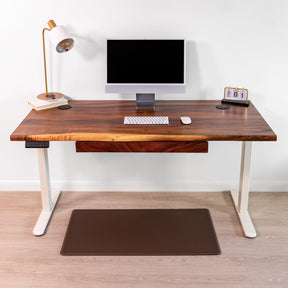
(230, 43)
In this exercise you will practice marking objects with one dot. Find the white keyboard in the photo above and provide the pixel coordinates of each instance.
(137, 120)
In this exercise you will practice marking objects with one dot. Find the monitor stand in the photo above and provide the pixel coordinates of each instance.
(144, 100)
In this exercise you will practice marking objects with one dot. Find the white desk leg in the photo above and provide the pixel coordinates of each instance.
(48, 200)
(241, 198)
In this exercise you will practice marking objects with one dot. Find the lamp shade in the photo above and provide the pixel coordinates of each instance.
(60, 39)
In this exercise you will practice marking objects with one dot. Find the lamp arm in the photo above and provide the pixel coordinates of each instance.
(44, 55)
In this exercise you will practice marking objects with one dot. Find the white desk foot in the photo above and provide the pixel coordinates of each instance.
(244, 217)
(45, 216)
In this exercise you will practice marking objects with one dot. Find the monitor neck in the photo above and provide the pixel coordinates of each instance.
(145, 100)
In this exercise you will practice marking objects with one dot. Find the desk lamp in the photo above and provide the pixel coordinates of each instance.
(63, 43)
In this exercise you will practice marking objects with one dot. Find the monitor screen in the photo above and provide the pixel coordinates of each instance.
(145, 66)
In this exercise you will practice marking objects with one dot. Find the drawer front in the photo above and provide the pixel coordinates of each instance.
(144, 147)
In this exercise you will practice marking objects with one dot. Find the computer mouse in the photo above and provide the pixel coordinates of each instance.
(186, 120)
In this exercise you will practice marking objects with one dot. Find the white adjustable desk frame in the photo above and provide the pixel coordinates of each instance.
(43, 126)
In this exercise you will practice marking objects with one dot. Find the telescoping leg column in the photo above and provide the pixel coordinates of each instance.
(241, 197)
(49, 199)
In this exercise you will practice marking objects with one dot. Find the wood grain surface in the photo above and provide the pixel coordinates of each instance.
(169, 147)
(103, 121)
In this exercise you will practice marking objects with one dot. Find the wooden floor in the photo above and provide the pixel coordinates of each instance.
(29, 261)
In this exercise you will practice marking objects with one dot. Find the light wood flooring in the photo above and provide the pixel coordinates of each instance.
(29, 261)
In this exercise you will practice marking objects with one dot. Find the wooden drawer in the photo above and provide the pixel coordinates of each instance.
(140, 146)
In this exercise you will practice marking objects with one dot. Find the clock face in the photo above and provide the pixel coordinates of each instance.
(236, 93)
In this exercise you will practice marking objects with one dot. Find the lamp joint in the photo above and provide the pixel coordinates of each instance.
(51, 24)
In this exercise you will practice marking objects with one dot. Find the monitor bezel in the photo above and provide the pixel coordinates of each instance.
(132, 88)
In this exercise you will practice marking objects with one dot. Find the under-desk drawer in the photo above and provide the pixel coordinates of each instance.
(162, 146)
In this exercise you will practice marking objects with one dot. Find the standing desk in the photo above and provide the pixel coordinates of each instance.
(97, 126)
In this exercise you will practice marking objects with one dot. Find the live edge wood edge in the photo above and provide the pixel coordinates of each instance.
(88, 120)
(143, 146)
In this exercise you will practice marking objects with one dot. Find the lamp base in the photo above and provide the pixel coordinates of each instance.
(51, 96)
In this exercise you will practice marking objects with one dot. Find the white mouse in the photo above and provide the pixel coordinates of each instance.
(186, 120)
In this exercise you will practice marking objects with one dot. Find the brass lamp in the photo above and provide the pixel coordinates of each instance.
(63, 43)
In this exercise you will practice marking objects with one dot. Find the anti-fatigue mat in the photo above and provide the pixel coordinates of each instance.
(140, 232)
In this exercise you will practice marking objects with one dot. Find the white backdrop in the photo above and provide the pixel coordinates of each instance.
(229, 43)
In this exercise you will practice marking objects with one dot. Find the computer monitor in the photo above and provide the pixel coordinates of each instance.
(146, 67)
